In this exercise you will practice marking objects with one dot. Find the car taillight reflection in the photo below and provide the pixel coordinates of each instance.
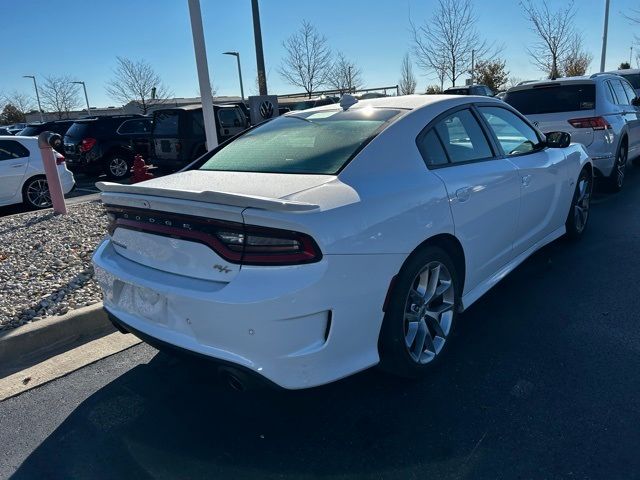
(87, 144)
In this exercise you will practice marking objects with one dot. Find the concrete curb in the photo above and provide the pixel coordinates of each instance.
(35, 342)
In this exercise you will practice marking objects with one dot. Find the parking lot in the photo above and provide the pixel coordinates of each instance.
(541, 381)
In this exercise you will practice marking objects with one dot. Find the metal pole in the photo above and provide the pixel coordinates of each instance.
(45, 142)
(473, 64)
(604, 35)
(84, 87)
(35, 85)
(203, 73)
(240, 76)
(257, 34)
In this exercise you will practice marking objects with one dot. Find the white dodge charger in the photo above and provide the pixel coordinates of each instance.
(329, 240)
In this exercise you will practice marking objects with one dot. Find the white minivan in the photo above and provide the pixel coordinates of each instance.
(599, 112)
(22, 177)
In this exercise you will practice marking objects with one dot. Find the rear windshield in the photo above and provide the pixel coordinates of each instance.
(553, 99)
(31, 130)
(306, 142)
(457, 91)
(166, 123)
(632, 78)
(78, 130)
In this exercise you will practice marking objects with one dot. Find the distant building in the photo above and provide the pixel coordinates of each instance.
(129, 108)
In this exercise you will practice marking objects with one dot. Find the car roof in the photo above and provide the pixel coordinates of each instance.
(623, 71)
(409, 102)
(21, 139)
(562, 81)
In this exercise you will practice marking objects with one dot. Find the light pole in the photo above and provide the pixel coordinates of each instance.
(237, 55)
(85, 95)
(35, 85)
(604, 35)
(257, 36)
(203, 74)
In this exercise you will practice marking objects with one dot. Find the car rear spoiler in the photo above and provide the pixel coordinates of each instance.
(207, 196)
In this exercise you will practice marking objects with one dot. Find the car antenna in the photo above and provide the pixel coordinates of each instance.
(347, 101)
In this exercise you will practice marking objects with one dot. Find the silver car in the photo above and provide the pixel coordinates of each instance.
(599, 112)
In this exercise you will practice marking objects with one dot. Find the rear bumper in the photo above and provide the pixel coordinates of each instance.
(297, 327)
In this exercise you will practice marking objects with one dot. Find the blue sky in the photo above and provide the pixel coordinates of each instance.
(83, 37)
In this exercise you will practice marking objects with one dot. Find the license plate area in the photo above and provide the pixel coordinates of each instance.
(141, 302)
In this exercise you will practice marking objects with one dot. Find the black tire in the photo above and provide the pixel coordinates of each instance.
(396, 356)
(580, 205)
(35, 193)
(117, 166)
(615, 180)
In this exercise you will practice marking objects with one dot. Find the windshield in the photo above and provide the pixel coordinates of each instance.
(166, 123)
(632, 78)
(553, 99)
(307, 142)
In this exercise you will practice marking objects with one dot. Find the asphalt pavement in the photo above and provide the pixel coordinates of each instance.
(542, 381)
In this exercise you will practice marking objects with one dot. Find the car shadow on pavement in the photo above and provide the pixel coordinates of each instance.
(535, 385)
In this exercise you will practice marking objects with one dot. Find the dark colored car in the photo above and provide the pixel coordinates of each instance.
(179, 137)
(305, 103)
(60, 127)
(101, 144)
(481, 90)
(4, 131)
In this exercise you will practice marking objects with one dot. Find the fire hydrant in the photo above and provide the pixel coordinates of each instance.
(140, 170)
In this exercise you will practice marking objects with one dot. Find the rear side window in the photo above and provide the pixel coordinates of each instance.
(513, 134)
(135, 126)
(553, 99)
(31, 130)
(166, 123)
(463, 138)
(228, 117)
(631, 93)
(10, 149)
(431, 149)
(619, 93)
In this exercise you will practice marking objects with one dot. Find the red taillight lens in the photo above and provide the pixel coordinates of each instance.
(235, 242)
(597, 123)
(87, 144)
(59, 159)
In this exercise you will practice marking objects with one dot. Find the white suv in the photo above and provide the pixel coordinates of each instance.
(599, 112)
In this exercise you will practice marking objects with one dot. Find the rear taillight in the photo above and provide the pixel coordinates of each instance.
(235, 242)
(87, 144)
(596, 123)
(59, 159)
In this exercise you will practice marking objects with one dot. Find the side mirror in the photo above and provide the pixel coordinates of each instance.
(558, 139)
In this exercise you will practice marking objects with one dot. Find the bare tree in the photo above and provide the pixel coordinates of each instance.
(513, 81)
(407, 83)
(60, 96)
(445, 43)
(24, 103)
(307, 63)
(136, 81)
(577, 60)
(555, 32)
(492, 73)
(433, 90)
(345, 75)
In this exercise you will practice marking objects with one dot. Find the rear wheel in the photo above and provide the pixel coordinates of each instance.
(117, 166)
(616, 178)
(35, 193)
(421, 314)
(580, 204)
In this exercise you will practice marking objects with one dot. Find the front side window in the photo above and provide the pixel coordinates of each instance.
(305, 142)
(631, 93)
(618, 91)
(514, 135)
(463, 138)
(10, 149)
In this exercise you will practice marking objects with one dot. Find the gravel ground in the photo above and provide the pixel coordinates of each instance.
(45, 263)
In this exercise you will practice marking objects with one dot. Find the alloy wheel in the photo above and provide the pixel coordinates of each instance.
(118, 167)
(581, 207)
(428, 313)
(621, 166)
(38, 193)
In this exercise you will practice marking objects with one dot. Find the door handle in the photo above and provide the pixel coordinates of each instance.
(17, 165)
(463, 194)
(526, 180)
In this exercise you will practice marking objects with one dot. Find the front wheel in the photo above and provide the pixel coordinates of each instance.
(420, 315)
(35, 193)
(117, 167)
(580, 204)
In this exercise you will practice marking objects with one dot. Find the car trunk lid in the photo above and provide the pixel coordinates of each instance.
(559, 122)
